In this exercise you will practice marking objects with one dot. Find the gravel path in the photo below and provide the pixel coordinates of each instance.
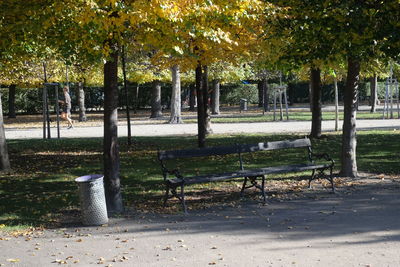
(191, 129)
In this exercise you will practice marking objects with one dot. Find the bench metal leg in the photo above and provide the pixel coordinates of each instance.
(263, 189)
(331, 179)
(243, 187)
(182, 199)
(321, 174)
(166, 197)
(311, 178)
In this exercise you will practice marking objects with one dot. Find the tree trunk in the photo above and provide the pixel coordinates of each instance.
(4, 160)
(201, 120)
(11, 101)
(206, 98)
(264, 87)
(374, 93)
(260, 94)
(128, 115)
(156, 109)
(136, 104)
(335, 85)
(192, 97)
(215, 97)
(310, 94)
(316, 103)
(111, 148)
(176, 116)
(349, 140)
(81, 102)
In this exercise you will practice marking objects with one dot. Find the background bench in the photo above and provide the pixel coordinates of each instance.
(174, 178)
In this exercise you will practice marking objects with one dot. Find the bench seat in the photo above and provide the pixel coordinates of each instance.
(175, 178)
(246, 173)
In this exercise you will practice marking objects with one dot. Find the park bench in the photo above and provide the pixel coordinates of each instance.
(251, 176)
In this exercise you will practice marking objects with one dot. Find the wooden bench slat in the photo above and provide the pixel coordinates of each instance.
(275, 145)
(199, 152)
(248, 173)
(225, 150)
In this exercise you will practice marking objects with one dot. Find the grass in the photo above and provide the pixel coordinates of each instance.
(293, 116)
(228, 115)
(41, 188)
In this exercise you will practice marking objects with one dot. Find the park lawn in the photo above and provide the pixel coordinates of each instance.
(293, 116)
(41, 188)
(227, 116)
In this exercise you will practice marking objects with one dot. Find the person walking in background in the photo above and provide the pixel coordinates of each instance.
(66, 111)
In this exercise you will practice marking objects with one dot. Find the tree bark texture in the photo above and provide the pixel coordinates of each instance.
(349, 140)
(374, 93)
(156, 109)
(316, 106)
(81, 102)
(110, 143)
(335, 85)
(192, 97)
(4, 159)
(128, 115)
(176, 116)
(260, 94)
(265, 94)
(201, 120)
(310, 93)
(11, 101)
(206, 98)
(215, 97)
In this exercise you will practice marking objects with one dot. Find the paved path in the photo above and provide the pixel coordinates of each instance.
(191, 129)
(359, 226)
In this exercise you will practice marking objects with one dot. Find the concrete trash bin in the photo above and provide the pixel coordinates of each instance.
(243, 104)
(92, 199)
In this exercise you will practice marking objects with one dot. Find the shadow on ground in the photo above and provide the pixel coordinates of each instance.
(365, 211)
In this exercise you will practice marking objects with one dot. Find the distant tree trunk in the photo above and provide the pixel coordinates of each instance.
(128, 115)
(201, 120)
(291, 95)
(11, 101)
(316, 103)
(176, 116)
(349, 140)
(136, 101)
(81, 102)
(156, 109)
(264, 86)
(4, 160)
(215, 97)
(192, 97)
(374, 93)
(111, 148)
(310, 94)
(335, 85)
(206, 99)
(260, 94)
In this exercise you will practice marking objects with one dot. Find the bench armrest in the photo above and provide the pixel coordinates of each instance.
(324, 156)
(172, 172)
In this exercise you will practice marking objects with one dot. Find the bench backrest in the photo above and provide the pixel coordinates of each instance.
(297, 143)
(199, 152)
(239, 148)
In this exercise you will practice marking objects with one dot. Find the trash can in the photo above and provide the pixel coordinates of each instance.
(243, 104)
(92, 199)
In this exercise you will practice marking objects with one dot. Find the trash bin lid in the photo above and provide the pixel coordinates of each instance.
(88, 178)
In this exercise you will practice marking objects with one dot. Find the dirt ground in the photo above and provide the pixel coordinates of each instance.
(358, 226)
